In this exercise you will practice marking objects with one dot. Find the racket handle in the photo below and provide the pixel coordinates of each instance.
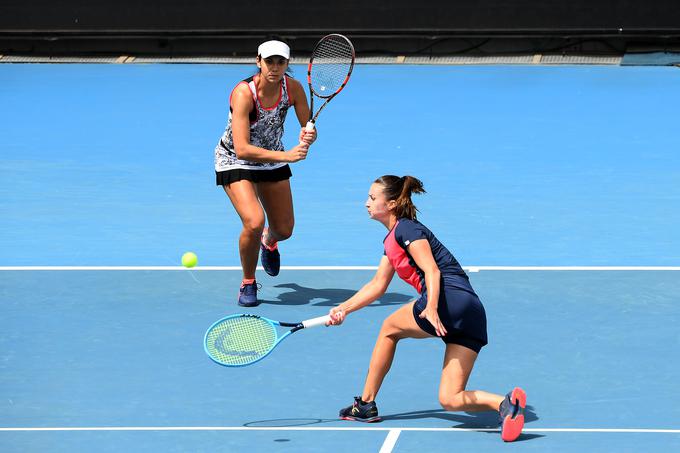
(309, 127)
(314, 322)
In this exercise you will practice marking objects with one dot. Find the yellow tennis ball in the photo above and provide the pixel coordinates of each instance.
(189, 259)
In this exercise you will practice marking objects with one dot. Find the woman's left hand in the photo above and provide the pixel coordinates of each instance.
(433, 318)
(308, 137)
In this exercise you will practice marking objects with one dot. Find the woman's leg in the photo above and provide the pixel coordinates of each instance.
(458, 363)
(397, 326)
(243, 196)
(277, 201)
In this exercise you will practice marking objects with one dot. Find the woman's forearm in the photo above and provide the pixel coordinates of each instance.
(254, 153)
(433, 284)
(365, 296)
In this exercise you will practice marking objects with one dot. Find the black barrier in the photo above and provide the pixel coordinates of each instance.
(407, 26)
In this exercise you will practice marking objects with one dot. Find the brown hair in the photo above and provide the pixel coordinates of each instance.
(400, 190)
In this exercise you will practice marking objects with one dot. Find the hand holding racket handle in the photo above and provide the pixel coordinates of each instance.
(315, 322)
(309, 127)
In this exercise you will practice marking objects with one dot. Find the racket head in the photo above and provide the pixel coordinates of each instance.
(240, 340)
(330, 65)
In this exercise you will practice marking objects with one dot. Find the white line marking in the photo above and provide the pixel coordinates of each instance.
(390, 441)
(337, 428)
(334, 268)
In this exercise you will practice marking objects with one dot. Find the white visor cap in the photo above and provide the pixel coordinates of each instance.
(269, 48)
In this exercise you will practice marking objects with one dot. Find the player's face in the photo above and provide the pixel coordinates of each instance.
(377, 205)
(273, 68)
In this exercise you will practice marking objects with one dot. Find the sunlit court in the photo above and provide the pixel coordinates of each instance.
(550, 185)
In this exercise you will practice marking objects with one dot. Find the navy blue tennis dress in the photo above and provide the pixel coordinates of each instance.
(266, 131)
(460, 310)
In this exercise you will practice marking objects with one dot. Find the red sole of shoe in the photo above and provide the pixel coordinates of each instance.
(519, 395)
(512, 427)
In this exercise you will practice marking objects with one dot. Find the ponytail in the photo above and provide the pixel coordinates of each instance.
(400, 190)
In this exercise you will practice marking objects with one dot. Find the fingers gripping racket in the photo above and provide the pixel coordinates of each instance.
(330, 67)
(240, 340)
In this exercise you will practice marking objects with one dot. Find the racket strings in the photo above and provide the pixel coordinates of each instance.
(332, 63)
(239, 341)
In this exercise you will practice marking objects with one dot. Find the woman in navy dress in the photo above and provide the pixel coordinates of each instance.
(448, 308)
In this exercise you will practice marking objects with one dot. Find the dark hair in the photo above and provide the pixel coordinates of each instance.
(400, 190)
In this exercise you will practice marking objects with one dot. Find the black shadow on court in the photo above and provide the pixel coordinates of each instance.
(471, 420)
(328, 297)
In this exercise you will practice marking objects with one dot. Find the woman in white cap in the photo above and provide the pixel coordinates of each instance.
(251, 162)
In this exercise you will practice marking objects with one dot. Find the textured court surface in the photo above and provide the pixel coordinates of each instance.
(524, 166)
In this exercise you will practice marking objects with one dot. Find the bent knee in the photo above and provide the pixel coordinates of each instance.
(453, 402)
(282, 232)
(253, 225)
(391, 330)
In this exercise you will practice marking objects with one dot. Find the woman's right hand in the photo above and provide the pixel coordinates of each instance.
(337, 315)
(298, 152)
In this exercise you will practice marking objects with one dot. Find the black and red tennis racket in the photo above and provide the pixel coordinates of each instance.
(330, 67)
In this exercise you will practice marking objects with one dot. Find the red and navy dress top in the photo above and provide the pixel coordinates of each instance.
(396, 244)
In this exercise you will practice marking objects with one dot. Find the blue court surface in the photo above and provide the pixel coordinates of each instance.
(556, 187)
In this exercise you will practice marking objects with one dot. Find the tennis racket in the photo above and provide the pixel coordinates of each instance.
(240, 340)
(330, 67)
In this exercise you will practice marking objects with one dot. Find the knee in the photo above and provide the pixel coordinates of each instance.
(253, 226)
(283, 231)
(389, 330)
(453, 402)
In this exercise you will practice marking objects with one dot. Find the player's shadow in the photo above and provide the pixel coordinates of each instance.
(328, 297)
(468, 420)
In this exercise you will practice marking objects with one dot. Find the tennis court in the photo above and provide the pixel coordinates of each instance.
(555, 186)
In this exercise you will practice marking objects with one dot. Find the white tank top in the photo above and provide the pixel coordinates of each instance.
(266, 131)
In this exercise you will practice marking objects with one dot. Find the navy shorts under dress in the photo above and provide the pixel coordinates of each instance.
(462, 314)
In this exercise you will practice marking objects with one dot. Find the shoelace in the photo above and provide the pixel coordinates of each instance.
(257, 285)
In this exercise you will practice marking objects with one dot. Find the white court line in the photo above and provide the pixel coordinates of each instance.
(390, 441)
(340, 428)
(334, 268)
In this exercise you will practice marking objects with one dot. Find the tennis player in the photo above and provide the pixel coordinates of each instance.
(251, 163)
(447, 308)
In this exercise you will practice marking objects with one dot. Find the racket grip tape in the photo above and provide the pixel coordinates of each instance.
(314, 322)
(309, 127)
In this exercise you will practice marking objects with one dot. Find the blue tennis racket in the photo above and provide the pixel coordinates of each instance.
(240, 340)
